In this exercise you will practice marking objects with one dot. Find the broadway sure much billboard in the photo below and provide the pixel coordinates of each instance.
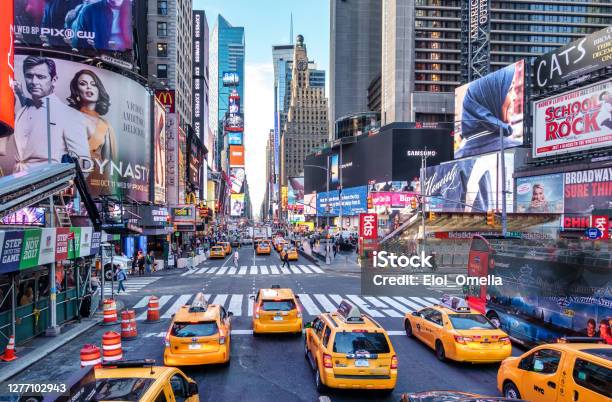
(101, 116)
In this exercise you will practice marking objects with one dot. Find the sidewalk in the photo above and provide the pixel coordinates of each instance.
(344, 261)
(41, 346)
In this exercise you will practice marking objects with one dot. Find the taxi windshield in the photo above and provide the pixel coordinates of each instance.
(351, 342)
(278, 305)
(470, 321)
(190, 330)
(121, 389)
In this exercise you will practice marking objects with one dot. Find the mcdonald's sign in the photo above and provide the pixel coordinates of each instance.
(166, 98)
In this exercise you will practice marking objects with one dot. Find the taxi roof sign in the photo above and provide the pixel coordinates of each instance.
(455, 303)
(199, 304)
(349, 312)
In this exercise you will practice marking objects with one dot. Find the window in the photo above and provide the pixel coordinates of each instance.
(435, 317)
(593, 376)
(179, 388)
(161, 397)
(326, 336)
(191, 330)
(543, 361)
(350, 342)
(162, 29)
(470, 321)
(162, 50)
(162, 71)
(162, 7)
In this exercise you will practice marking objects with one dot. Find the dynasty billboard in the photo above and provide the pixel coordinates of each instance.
(159, 153)
(469, 185)
(577, 58)
(575, 121)
(101, 116)
(7, 71)
(484, 106)
(81, 24)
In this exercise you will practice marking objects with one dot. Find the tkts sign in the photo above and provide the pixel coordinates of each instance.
(167, 98)
(368, 226)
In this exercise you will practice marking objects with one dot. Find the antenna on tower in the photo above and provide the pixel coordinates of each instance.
(291, 30)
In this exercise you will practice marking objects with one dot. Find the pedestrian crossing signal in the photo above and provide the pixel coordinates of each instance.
(490, 218)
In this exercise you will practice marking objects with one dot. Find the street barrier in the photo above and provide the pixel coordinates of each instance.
(90, 356)
(9, 353)
(110, 312)
(111, 347)
(153, 310)
(128, 325)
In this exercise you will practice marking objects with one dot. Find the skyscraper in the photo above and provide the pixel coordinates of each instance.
(423, 59)
(355, 51)
(307, 125)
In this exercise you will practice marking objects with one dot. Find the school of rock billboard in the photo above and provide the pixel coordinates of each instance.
(81, 24)
(101, 116)
(574, 121)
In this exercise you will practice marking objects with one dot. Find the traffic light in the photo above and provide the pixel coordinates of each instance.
(432, 216)
(217, 207)
(168, 220)
(370, 203)
(413, 203)
(490, 218)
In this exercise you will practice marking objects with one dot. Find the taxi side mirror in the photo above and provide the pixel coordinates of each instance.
(192, 389)
(308, 325)
(416, 314)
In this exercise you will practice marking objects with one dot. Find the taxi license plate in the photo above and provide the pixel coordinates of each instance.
(277, 318)
(362, 363)
(195, 346)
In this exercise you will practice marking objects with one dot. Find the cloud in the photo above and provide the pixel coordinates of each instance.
(259, 119)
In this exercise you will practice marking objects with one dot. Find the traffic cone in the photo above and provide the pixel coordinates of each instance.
(110, 312)
(90, 356)
(9, 353)
(128, 325)
(111, 347)
(153, 310)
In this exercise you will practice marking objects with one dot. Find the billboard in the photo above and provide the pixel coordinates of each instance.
(234, 103)
(475, 35)
(577, 58)
(296, 190)
(236, 155)
(230, 79)
(7, 71)
(354, 201)
(237, 175)
(234, 138)
(469, 185)
(26, 216)
(101, 116)
(578, 120)
(183, 213)
(166, 97)
(540, 194)
(234, 122)
(392, 199)
(310, 204)
(195, 156)
(159, 153)
(334, 171)
(171, 158)
(483, 106)
(368, 226)
(81, 24)
(284, 197)
(585, 191)
(182, 164)
(237, 204)
(200, 55)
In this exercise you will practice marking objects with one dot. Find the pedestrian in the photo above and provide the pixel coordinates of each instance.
(141, 263)
(148, 262)
(236, 258)
(336, 248)
(286, 259)
(152, 263)
(134, 263)
(121, 277)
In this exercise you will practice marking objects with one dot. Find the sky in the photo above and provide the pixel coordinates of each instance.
(266, 23)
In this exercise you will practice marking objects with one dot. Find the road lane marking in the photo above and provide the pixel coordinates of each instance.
(433, 300)
(231, 271)
(294, 269)
(183, 299)
(142, 302)
(394, 304)
(201, 271)
(408, 303)
(324, 301)
(309, 305)
(316, 269)
(213, 269)
(336, 298)
(220, 299)
(364, 306)
(274, 270)
(305, 269)
(250, 306)
(253, 270)
(263, 269)
(235, 305)
(421, 301)
(378, 304)
(243, 270)
(284, 270)
(222, 271)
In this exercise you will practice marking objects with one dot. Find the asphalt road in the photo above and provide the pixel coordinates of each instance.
(272, 368)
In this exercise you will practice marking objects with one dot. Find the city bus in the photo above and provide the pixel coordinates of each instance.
(540, 291)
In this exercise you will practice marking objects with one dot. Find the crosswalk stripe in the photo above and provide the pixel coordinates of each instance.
(305, 269)
(433, 300)
(421, 301)
(253, 269)
(336, 298)
(284, 270)
(264, 269)
(409, 303)
(231, 271)
(363, 306)
(378, 304)
(324, 301)
(316, 269)
(162, 301)
(213, 269)
(183, 299)
(235, 305)
(309, 305)
(142, 302)
(274, 270)
(243, 270)
(250, 306)
(395, 304)
(202, 270)
(220, 300)
(222, 271)
(294, 269)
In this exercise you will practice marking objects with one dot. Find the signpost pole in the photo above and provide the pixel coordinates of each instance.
(504, 218)
(53, 329)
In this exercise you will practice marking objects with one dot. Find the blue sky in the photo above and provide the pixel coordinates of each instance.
(266, 23)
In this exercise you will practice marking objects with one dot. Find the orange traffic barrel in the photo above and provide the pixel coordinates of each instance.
(110, 312)
(153, 310)
(90, 356)
(128, 325)
(111, 347)
(9, 353)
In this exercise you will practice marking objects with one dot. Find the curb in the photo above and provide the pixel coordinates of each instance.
(309, 258)
(23, 363)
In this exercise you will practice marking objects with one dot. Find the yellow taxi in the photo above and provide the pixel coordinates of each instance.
(199, 334)
(570, 370)
(280, 244)
(217, 252)
(226, 247)
(263, 247)
(276, 310)
(134, 380)
(347, 349)
(457, 333)
(292, 254)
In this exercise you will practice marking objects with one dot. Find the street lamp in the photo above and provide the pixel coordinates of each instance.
(326, 169)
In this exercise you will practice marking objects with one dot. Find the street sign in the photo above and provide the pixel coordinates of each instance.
(593, 233)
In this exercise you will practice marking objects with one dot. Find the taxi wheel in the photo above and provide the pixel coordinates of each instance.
(440, 352)
(408, 328)
(510, 391)
(319, 384)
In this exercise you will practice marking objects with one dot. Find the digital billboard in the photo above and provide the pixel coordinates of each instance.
(80, 24)
(234, 103)
(195, 158)
(167, 98)
(354, 201)
(159, 153)
(236, 155)
(101, 116)
(234, 122)
(577, 58)
(7, 72)
(310, 204)
(584, 192)
(230, 79)
(199, 60)
(234, 138)
(574, 121)
(483, 106)
(540, 194)
(296, 191)
(236, 204)
(171, 158)
(237, 175)
(25, 216)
